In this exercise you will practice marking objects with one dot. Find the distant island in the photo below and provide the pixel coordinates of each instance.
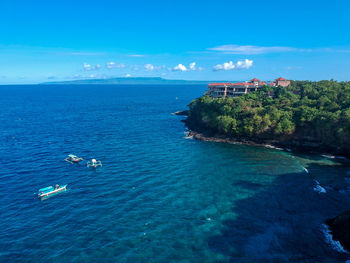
(302, 115)
(130, 81)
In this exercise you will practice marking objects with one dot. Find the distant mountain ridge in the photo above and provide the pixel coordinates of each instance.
(129, 80)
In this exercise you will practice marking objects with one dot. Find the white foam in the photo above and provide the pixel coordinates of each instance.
(329, 239)
(328, 156)
(306, 170)
(187, 136)
(272, 147)
(318, 188)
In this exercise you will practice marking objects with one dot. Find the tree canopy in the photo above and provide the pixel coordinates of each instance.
(309, 111)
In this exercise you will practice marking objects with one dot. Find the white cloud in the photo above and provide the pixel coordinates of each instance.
(87, 66)
(244, 64)
(192, 66)
(250, 50)
(241, 64)
(225, 66)
(180, 67)
(128, 75)
(136, 55)
(149, 67)
(112, 64)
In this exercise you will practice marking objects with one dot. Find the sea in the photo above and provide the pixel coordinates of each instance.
(160, 196)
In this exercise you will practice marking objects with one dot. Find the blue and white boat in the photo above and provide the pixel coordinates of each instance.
(50, 190)
(71, 158)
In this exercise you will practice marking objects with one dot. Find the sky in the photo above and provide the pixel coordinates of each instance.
(232, 40)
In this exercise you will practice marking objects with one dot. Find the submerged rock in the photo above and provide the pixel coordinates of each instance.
(340, 229)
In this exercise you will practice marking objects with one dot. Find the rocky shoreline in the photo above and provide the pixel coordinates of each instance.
(305, 147)
(223, 139)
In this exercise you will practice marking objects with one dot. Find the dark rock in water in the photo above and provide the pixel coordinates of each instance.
(340, 229)
(181, 113)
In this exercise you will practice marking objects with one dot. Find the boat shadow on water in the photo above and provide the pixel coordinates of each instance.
(284, 222)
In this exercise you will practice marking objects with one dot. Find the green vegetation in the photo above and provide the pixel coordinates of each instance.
(317, 112)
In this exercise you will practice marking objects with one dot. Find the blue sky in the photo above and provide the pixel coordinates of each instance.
(198, 40)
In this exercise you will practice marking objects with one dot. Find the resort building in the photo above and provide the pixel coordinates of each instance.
(227, 89)
(280, 82)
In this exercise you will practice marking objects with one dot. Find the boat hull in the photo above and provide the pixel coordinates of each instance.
(55, 191)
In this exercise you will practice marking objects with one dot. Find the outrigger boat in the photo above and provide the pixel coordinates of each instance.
(47, 191)
(94, 163)
(71, 158)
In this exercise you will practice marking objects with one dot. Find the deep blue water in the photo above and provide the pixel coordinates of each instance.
(159, 197)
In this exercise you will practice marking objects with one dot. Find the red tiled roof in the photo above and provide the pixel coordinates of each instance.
(280, 78)
(255, 79)
(272, 84)
(220, 84)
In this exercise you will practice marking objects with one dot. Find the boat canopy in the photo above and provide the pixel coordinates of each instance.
(46, 189)
(72, 155)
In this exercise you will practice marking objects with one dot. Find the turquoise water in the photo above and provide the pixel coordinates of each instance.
(159, 197)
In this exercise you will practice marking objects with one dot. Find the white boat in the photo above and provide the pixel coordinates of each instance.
(93, 163)
(71, 158)
(50, 190)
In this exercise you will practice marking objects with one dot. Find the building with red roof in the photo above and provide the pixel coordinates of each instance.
(282, 82)
(227, 89)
